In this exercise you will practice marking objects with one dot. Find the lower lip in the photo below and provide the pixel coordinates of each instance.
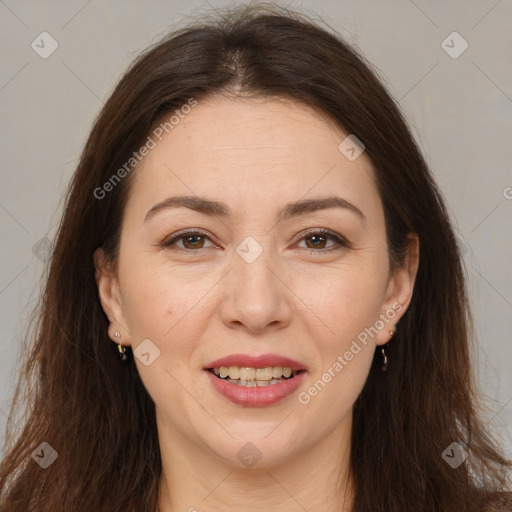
(258, 396)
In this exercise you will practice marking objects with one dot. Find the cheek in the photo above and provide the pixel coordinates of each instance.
(162, 308)
(345, 299)
(343, 350)
(156, 297)
(346, 302)
(148, 304)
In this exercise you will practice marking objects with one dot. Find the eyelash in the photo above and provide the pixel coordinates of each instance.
(343, 242)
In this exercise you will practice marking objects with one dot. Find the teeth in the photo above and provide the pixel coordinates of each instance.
(277, 371)
(247, 373)
(264, 373)
(251, 384)
(234, 372)
(251, 377)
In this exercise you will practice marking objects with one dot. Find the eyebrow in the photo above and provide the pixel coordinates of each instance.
(215, 208)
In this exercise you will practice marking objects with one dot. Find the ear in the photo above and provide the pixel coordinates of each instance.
(108, 291)
(399, 290)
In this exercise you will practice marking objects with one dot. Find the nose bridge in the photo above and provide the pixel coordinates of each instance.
(254, 263)
(255, 296)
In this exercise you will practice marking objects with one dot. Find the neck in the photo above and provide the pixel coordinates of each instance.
(195, 480)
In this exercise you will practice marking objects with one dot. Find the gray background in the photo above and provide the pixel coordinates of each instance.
(460, 110)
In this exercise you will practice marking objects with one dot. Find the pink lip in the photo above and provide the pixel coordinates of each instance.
(244, 360)
(261, 396)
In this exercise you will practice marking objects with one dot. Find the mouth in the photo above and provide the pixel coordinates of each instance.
(254, 377)
(255, 381)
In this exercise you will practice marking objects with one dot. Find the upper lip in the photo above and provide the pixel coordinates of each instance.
(261, 361)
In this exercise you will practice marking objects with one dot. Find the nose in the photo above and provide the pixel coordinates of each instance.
(256, 295)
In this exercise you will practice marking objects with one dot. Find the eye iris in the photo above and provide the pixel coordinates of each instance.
(187, 238)
(316, 237)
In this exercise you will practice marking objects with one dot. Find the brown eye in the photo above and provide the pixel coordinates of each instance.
(192, 240)
(319, 239)
(316, 241)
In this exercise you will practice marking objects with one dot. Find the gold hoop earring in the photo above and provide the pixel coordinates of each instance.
(121, 348)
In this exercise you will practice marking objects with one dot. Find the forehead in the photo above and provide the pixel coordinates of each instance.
(228, 149)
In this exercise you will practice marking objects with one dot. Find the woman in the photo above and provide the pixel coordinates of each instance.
(255, 299)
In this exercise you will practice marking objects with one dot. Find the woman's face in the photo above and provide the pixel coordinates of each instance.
(256, 279)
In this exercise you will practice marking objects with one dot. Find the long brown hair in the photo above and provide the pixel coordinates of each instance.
(98, 416)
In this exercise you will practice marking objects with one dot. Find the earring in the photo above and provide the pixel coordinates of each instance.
(384, 366)
(122, 349)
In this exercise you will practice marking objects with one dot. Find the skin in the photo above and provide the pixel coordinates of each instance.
(255, 156)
